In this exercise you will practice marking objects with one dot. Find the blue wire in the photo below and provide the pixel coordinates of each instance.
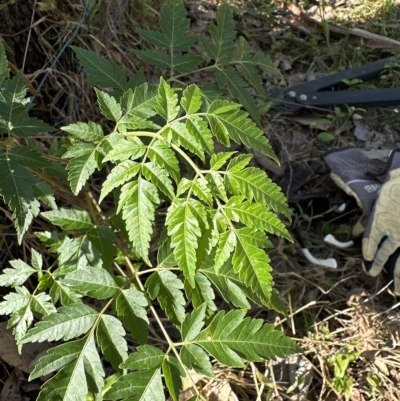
(62, 50)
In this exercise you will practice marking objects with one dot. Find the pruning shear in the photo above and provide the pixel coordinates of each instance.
(327, 92)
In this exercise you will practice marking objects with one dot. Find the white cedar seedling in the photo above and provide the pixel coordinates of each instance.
(216, 211)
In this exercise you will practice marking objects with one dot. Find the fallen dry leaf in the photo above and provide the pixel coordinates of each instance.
(9, 352)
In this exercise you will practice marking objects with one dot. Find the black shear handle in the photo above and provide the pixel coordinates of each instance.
(357, 98)
(364, 72)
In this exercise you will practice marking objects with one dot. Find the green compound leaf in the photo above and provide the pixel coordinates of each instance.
(16, 188)
(195, 358)
(61, 292)
(236, 125)
(184, 219)
(253, 183)
(28, 156)
(167, 101)
(226, 245)
(159, 177)
(86, 131)
(14, 301)
(69, 322)
(138, 200)
(172, 371)
(131, 307)
(223, 35)
(120, 174)
(228, 284)
(146, 357)
(252, 263)
(240, 89)
(198, 129)
(85, 158)
(101, 72)
(181, 136)
(144, 386)
(155, 57)
(131, 148)
(185, 63)
(104, 239)
(191, 99)
(174, 23)
(110, 337)
(193, 323)
(202, 293)
(248, 64)
(82, 372)
(141, 101)
(219, 159)
(231, 337)
(160, 152)
(23, 126)
(166, 287)
(70, 219)
(41, 304)
(108, 105)
(16, 276)
(92, 281)
(253, 214)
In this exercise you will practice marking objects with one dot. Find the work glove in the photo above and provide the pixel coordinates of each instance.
(349, 169)
(381, 241)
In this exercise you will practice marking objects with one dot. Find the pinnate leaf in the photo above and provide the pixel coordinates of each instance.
(86, 131)
(101, 72)
(92, 281)
(70, 219)
(198, 129)
(193, 323)
(108, 105)
(145, 357)
(252, 263)
(184, 219)
(160, 152)
(201, 293)
(120, 174)
(240, 89)
(172, 372)
(16, 188)
(83, 374)
(226, 245)
(69, 322)
(167, 288)
(141, 101)
(138, 200)
(85, 158)
(23, 126)
(253, 183)
(231, 337)
(242, 130)
(103, 238)
(131, 307)
(16, 276)
(180, 135)
(195, 358)
(110, 337)
(191, 100)
(167, 101)
(143, 385)
(253, 214)
(159, 177)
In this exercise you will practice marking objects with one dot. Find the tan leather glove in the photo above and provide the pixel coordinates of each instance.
(349, 170)
(381, 241)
